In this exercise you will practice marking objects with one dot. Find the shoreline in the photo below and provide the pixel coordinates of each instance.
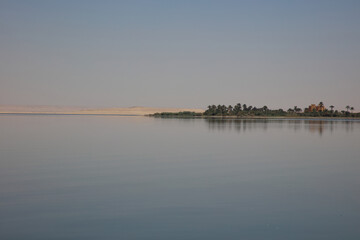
(71, 114)
(87, 113)
(260, 117)
(131, 111)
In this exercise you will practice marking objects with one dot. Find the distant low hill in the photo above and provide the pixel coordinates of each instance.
(43, 109)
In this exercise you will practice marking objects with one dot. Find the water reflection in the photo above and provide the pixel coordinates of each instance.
(87, 177)
(312, 126)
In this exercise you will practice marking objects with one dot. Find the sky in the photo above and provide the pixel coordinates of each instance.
(180, 53)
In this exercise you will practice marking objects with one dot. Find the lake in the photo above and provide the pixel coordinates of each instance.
(125, 177)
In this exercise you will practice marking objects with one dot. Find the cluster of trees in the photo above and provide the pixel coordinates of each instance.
(242, 110)
(245, 110)
(331, 113)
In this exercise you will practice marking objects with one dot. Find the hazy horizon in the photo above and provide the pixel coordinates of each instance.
(186, 54)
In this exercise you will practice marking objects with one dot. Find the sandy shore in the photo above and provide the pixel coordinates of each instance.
(89, 111)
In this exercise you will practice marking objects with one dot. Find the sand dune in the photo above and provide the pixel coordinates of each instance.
(82, 110)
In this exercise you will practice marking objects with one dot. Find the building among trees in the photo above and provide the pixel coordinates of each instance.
(316, 108)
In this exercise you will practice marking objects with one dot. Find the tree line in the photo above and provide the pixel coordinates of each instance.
(244, 110)
(248, 110)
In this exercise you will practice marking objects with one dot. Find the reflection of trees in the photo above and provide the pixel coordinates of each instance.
(349, 126)
(312, 126)
(319, 126)
(316, 126)
(295, 124)
(240, 125)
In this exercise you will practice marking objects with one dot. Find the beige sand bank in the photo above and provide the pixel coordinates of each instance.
(82, 110)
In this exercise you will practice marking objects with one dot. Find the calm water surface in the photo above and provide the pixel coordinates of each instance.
(98, 177)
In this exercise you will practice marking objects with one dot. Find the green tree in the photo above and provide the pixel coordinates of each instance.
(218, 110)
(347, 108)
(230, 110)
(210, 111)
(237, 109)
(224, 110)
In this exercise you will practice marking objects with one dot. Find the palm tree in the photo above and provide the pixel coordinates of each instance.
(296, 109)
(352, 109)
(332, 110)
(211, 110)
(223, 110)
(230, 110)
(237, 108)
(347, 108)
(321, 104)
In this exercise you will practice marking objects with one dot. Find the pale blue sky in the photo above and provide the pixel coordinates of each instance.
(180, 53)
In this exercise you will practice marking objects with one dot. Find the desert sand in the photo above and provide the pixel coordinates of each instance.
(92, 111)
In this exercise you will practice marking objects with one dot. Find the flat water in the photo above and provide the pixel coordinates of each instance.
(110, 177)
